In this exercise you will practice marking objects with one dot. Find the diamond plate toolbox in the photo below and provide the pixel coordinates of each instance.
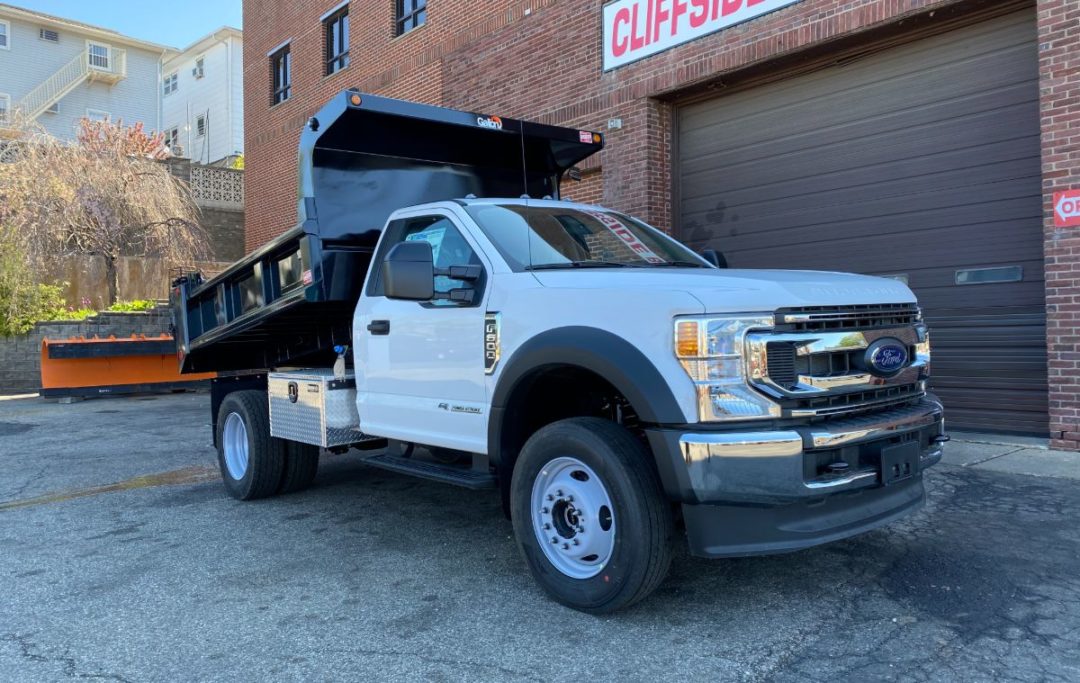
(310, 406)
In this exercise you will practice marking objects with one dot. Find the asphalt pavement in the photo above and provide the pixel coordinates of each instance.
(122, 558)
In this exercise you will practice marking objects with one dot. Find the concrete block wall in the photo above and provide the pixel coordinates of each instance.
(20, 357)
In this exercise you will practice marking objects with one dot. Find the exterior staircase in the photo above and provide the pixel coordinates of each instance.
(111, 69)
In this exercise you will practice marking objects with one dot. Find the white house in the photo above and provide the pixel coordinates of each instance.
(203, 98)
(58, 71)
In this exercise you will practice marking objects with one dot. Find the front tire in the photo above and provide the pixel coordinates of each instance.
(251, 461)
(590, 516)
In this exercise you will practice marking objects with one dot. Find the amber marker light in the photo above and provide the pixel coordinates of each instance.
(686, 339)
(355, 100)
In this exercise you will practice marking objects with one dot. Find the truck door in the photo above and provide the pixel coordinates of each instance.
(420, 365)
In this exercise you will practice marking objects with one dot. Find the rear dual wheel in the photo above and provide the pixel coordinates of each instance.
(254, 464)
(590, 516)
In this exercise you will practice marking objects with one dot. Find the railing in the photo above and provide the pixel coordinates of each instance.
(110, 67)
(54, 87)
(217, 188)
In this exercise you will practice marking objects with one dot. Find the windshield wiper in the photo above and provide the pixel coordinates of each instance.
(580, 264)
(680, 264)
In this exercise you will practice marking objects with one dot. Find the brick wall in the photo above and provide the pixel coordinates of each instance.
(537, 59)
(20, 357)
(1059, 76)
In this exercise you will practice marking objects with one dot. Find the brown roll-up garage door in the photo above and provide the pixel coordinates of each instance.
(920, 162)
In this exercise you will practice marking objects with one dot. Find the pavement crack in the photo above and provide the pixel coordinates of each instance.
(32, 653)
(993, 457)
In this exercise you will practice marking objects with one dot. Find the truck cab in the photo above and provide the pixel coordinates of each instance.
(616, 388)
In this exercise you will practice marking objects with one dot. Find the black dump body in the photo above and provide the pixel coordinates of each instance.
(361, 158)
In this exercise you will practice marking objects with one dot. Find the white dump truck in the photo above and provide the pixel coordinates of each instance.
(440, 312)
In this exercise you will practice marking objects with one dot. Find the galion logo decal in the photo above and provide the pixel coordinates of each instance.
(492, 122)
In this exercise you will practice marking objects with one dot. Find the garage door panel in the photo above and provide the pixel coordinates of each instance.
(857, 217)
(917, 162)
(924, 128)
(881, 158)
(875, 191)
(863, 95)
(917, 225)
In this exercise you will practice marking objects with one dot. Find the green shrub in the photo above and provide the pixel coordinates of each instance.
(132, 306)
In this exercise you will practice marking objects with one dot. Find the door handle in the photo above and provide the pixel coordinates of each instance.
(379, 327)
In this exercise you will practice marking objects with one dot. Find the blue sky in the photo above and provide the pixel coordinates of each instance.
(176, 23)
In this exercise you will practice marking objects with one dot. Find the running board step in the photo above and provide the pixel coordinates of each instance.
(470, 479)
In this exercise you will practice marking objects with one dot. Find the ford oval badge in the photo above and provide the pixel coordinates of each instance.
(887, 356)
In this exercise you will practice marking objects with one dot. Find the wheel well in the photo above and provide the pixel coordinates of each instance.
(556, 392)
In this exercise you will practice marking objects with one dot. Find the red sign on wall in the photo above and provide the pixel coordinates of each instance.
(1067, 208)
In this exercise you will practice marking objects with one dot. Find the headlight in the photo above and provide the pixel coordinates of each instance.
(710, 349)
(922, 347)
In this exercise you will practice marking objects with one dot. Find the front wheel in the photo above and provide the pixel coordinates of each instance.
(590, 516)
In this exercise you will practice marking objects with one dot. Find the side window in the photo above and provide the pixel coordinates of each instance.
(448, 248)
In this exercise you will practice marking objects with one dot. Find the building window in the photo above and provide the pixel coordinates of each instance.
(199, 71)
(410, 14)
(281, 68)
(170, 84)
(99, 56)
(336, 32)
(200, 125)
(49, 35)
(5, 35)
(97, 115)
(5, 107)
(172, 140)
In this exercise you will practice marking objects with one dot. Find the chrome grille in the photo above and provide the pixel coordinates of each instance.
(856, 317)
(827, 372)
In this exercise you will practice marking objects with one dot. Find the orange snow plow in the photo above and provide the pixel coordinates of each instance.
(80, 367)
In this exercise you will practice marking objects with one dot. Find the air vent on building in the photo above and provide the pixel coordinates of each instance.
(49, 35)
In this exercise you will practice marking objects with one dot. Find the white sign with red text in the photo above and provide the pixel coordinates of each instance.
(634, 29)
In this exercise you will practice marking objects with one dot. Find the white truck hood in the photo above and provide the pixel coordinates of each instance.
(723, 290)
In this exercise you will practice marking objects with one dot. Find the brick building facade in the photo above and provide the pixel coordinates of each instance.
(668, 116)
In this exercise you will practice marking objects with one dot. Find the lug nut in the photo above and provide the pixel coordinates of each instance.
(566, 546)
(554, 540)
(577, 542)
(544, 511)
(569, 499)
(581, 529)
(547, 527)
(559, 493)
(551, 497)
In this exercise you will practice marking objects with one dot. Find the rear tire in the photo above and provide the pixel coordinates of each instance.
(251, 461)
(589, 480)
(301, 466)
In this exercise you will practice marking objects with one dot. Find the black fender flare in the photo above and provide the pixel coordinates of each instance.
(604, 353)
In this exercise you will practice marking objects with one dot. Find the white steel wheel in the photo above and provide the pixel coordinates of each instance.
(234, 442)
(573, 518)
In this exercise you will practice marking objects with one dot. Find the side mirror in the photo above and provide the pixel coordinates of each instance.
(408, 272)
(714, 257)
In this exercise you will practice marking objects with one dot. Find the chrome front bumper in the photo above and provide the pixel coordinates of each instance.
(772, 466)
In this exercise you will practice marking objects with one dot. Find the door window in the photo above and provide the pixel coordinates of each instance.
(448, 248)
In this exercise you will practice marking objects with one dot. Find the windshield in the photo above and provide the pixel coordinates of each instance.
(549, 237)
